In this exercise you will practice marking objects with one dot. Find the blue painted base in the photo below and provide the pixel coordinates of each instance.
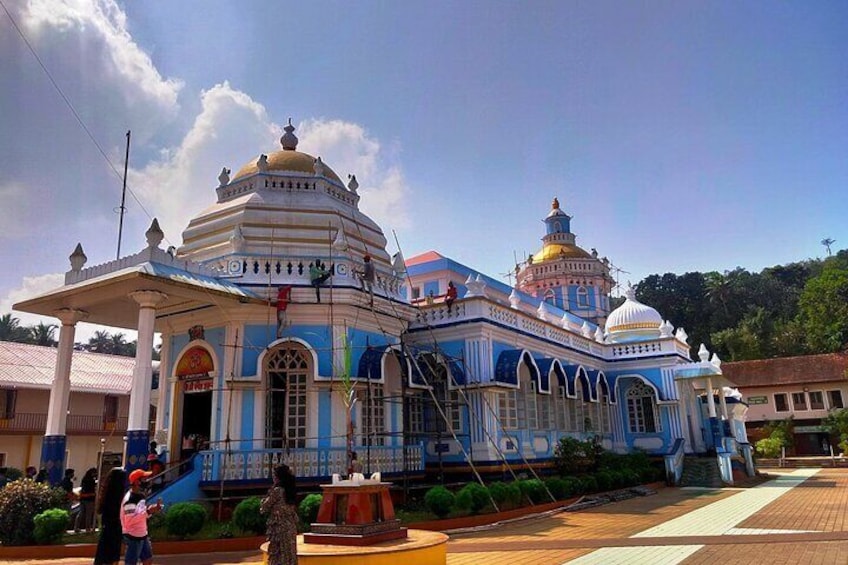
(138, 446)
(53, 457)
(716, 429)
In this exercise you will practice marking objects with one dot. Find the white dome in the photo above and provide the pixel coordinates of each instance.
(633, 321)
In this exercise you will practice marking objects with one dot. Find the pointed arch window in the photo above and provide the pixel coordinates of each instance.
(288, 369)
(642, 409)
(578, 423)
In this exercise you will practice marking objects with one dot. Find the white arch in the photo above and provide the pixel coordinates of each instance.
(260, 362)
(644, 380)
(193, 343)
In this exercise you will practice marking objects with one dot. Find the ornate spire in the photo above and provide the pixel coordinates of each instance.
(289, 139)
(154, 234)
(78, 258)
(555, 204)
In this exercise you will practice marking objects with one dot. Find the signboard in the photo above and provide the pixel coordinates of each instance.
(197, 385)
(757, 400)
(196, 362)
(809, 429)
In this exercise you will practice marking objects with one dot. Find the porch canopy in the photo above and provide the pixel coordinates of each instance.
(107, 301)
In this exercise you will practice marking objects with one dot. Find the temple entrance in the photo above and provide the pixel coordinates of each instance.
(197, 418)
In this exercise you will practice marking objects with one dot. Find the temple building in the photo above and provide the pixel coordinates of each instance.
(290, 333)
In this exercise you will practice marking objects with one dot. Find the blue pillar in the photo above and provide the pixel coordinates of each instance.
(138, 446)
(53, 457)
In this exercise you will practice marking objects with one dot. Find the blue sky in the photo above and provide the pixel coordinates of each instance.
(680, 135)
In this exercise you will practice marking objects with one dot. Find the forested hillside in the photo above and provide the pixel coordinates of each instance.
(795, 309)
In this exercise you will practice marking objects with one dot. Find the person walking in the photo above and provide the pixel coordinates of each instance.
(134, 514)
(109, 508)
(280, 507)
(87, 494)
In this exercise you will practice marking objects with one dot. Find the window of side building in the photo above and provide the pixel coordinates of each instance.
(834, 398)
(799, 401)
(780, 402)
(816, 400)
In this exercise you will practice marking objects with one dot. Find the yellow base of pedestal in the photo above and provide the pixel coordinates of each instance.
(420, 548)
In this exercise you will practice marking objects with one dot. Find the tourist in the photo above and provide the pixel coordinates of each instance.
(109, 508)
(87, 494)
(134, 514)
(67, 485)
(31, 472)
(280, 507)
(355, 464)
(41, 477)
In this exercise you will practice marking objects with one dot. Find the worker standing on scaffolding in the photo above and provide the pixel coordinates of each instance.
(367, 277)
(318, 275)
(283, 298)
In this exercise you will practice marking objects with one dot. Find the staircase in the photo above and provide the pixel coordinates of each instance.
(701, 472)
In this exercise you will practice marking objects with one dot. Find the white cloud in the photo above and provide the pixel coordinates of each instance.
(102, 26)
(231, 129)
(34, 286)
(348, 149)
(186, 176)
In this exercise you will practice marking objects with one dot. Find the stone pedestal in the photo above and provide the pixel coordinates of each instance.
(356, 512)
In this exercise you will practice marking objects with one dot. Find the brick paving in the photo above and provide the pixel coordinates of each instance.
(797, 518)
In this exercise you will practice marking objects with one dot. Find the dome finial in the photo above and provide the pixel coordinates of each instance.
(555, 204)
(289, 139)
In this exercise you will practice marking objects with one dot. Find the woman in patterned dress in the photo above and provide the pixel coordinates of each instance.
(281, 509)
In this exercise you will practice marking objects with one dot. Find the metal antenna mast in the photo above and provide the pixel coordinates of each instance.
(123, 208)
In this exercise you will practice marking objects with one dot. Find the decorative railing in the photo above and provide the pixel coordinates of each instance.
(306, 463)
(37, 423)
(478, 307)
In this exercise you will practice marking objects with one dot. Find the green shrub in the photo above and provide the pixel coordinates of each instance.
(308, 508)
(50, 525)
(505, 495)
(572, 486)
(20, 502)
(185, 518)
(473, 497)
(439, 501)
(575, 456)
(534, 489)
(589, 484)
(769, 447)
(557, 487)
(13, 474)
(605, 480)
(247, 516)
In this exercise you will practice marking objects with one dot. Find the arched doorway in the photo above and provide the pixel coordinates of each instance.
(195, 371)
(287, 371)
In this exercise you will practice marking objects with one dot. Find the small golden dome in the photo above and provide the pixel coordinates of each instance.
(553, 251)
(287, 161)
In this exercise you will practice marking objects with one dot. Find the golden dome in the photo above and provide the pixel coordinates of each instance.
(287, 161)
(553, 251)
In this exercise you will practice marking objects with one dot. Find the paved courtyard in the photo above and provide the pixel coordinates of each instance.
(799, 517)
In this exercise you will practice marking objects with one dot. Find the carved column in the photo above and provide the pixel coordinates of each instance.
(138, 434)
(53, 446)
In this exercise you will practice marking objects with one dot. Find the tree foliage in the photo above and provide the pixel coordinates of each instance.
(794, 309)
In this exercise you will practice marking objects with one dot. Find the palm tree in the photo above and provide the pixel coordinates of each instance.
(43, 334)
(100, 342)
(718, 289)
(11, 330)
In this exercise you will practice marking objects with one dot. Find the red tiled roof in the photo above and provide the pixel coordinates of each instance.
(32, 366)
(828, 367)
(424, 258)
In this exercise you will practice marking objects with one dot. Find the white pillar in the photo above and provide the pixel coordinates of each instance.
(722, 402)
(143, 372)
(710, 399)
(54, 442)
(138, 435)
(57, 412)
